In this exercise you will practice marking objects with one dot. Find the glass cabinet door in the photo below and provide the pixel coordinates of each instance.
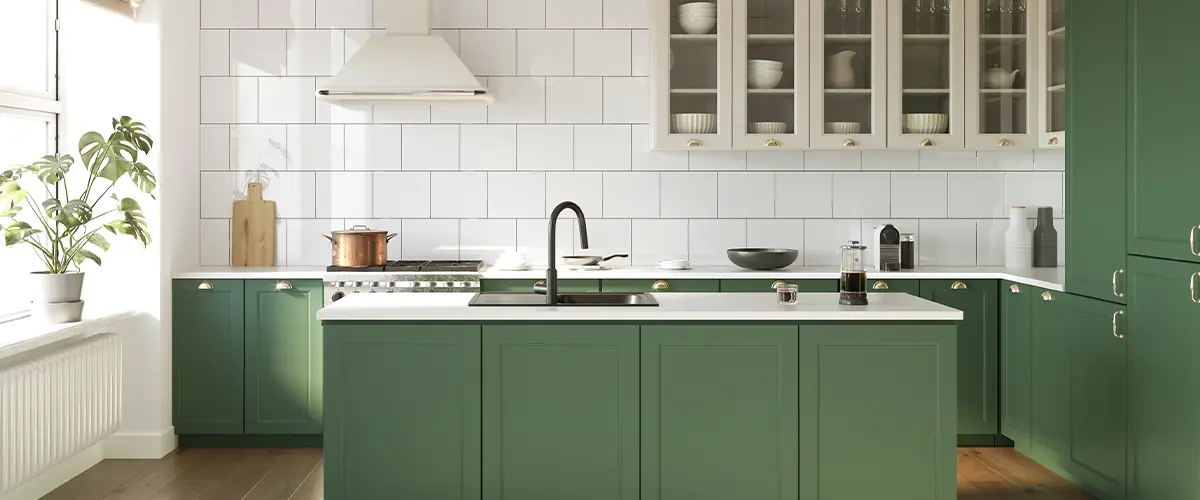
(692, 79)
(1000, 66)
(770, 74)
(1052, 103)
(925, 74)
(848, 78)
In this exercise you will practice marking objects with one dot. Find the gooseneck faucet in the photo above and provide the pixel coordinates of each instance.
(551, 272)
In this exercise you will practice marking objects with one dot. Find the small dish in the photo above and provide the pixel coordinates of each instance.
(675, 265)
(595, 267)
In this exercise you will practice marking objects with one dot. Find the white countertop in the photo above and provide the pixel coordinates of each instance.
(672, 307)
(237, 273)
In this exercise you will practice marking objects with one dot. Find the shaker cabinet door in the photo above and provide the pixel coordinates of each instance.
(925, 74)
(848, 43)
(283, 357)
(692, 64)
(208, 347)
(770, 74)
(1001, 65)
(977, 354)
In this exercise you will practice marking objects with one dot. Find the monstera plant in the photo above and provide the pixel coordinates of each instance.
(63, 217)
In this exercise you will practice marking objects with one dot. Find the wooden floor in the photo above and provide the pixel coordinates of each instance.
(296, 474)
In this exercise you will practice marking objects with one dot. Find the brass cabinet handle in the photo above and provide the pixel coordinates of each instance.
(771, 143)
(1192, 241)
(539, 283)
(927, 143)
(777, 284)
(1053, 141)
(205, 285)
(1192, 288)
(1115, 332)
(1115, 291)
(958, 285)
(660, 285)
(880, 285)
(691, 143)
(283, 286)
(849, 143)
(1005, 143)
(1047, 296)
(1014, 288)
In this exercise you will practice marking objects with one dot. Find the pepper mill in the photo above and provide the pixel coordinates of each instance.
(1045, 239)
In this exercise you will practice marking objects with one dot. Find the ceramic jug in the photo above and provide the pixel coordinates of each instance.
(1000, 78)
(839, 72)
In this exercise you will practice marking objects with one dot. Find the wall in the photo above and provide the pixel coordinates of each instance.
(571, 82)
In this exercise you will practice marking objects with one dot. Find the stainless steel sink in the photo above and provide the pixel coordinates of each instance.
(608, 299)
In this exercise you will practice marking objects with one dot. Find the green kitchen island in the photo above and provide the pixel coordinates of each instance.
(707, 396)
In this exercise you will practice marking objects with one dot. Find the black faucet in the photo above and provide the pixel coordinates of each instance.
(551, 272)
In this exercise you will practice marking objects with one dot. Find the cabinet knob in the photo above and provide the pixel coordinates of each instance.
(849, 143)
(204, 285)
(771, 143)
(660, 285)
(958, 285)
(1054, 141)
(1117, 334)
(927, 143)
(1047, 296)
(1014, 288)
(1192, 287)
(1005, 143)
(1192, 240)
(880, 285)
(283, 286)
(1115, 291)
(777, 284)
(691, 143)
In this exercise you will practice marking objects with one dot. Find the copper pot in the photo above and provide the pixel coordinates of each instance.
(359, 247)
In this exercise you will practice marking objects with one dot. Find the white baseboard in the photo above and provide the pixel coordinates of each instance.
(58, 475)
(152, 445)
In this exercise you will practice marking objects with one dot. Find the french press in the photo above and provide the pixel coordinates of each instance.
(854, 275)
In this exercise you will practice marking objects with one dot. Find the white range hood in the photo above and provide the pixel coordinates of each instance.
(406, 64)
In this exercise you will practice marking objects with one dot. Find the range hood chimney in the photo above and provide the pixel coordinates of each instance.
(406, 64)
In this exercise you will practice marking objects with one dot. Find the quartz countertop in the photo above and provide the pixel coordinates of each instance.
(672, 307)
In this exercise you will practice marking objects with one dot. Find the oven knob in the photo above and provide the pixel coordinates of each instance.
(356, 284)
(424, 284)
(443, 284)
(377, 283)
(338, 296)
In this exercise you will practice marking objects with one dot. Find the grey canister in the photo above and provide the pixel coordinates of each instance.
(1045, 239)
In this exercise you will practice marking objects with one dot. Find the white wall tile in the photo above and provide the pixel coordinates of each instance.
(430, 239)
(214, 242)
(775, 160)
(401, 113)
(316, 147)
(470, 195)
(708, 239)
(948, 160)
(1050, 159)
(642, 55)
(260, 148)
(341, 113)
(516, 194)
(545, 147)
(488, 147)
(586, 189)
(214, 147)
(776, 233)
(287, 100)
(217, 194)
(603, 53)
(631, 194)
(989, 242)
(228, 100)
(626, 100)
(574, 14)
(228, 14)
(374, 147)
(532, 238)
(626, 14)
(430, 147)
(486, 239)
(646, 159)
(257, 52)
(889, 161)
(919, 194)
(976, 195)
(214, 53)
(345, 14)
(459, 112)
(459, 14)
(305, 246)
(451, 37)
(355, 39)
(804, 194)
(608, 237)
(344, 194)
(823, 239)
(315, 52)
(689, 195)
(489, 52)
(947, 242)
(520, 14)
(717, 160)
(832, 160)
(1005, 160)
(402, 195)
(545, 52)
(603, 147)
(294, 193)
(862, 195)
(1034, 189)
(518, 100)
(656, 240)
(287, 13)
(745, 194)
(574, 99)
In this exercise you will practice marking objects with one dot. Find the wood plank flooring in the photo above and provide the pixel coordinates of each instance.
(297, 474)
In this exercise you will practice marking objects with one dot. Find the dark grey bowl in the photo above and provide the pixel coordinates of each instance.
(762, 259)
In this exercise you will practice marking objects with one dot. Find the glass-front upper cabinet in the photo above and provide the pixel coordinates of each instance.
(770, 74)
(1052, 100)
(848, 44)
(1001, 62)
(692, 68)
(925, 74)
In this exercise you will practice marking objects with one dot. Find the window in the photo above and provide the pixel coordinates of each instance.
(29, 110)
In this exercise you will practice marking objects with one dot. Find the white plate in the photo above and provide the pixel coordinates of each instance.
(674, 265)
(596, 267)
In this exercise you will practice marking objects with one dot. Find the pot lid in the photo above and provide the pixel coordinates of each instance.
(360, 229)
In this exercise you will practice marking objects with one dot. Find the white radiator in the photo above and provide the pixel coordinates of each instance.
(56, 405)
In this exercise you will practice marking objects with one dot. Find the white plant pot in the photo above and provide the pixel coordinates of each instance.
(57, 312)
(49, 288)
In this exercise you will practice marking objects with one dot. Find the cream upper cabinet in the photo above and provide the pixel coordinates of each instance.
(692, 74)
(1001, 74)
(925, 74)
(848, 51)
(1052, 74)
(770, 74)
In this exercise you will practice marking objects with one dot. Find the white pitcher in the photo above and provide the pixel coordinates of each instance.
(839, 72)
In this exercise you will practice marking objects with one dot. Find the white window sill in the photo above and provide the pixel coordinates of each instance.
(24, 335)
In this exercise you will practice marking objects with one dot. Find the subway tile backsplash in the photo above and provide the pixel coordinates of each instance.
(571, 78)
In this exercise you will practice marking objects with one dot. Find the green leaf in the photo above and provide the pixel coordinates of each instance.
(144, 178)
(84, 253)
(11, 196)
(102, 157)
(98, 240)
(17, 232)
(73, 214)
(133, 133)
(133, 223)
(52, 168)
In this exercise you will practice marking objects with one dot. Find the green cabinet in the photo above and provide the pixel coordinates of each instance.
(891, 436)
(1016, 362)
(768, 285)
(402, 411)
(207, 352)
(660, 285)
(1164, 415)
(283, 357)
(1097, 128)
(978, 359)
(696, 444)
(911, 287)
(527, 286)
(560, 412)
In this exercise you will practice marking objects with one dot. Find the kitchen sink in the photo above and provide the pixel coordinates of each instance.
(564, 299)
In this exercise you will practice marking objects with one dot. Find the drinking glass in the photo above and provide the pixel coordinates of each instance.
(918, 13)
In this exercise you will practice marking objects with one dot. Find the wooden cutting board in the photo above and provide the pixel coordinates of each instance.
(253, 229)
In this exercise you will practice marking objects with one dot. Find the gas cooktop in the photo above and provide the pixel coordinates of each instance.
(416, 266)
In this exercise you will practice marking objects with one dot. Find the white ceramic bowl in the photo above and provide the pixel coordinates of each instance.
(765, 64)
(695, 25)
(694, 123)
(774, 128)
(698, 8)
(926, 123)
(675, 265)
(764, 79)
(843, 127)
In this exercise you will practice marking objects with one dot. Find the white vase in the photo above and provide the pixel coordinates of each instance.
(1018, 240)
(54, 288)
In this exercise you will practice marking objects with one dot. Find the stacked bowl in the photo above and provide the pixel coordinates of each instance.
(694, 123)
(926, 123)
(764, 73)
(697, 18)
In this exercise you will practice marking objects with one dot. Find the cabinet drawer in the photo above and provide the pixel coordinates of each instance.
(911, 287)
(768, 285)
(527, 285)
(660, 285)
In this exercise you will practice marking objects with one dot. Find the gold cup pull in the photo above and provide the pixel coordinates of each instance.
(1014, 288)
(1054, 141)
(849, 143)
(1047, 296)
(958, 285)
(880, 285)
(927, 143)
(1117, 334)
(204, 285)
(283, 286)
(777, 284)
(660, 285)
(691, 143)
(1005, 143)
(771, 143)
